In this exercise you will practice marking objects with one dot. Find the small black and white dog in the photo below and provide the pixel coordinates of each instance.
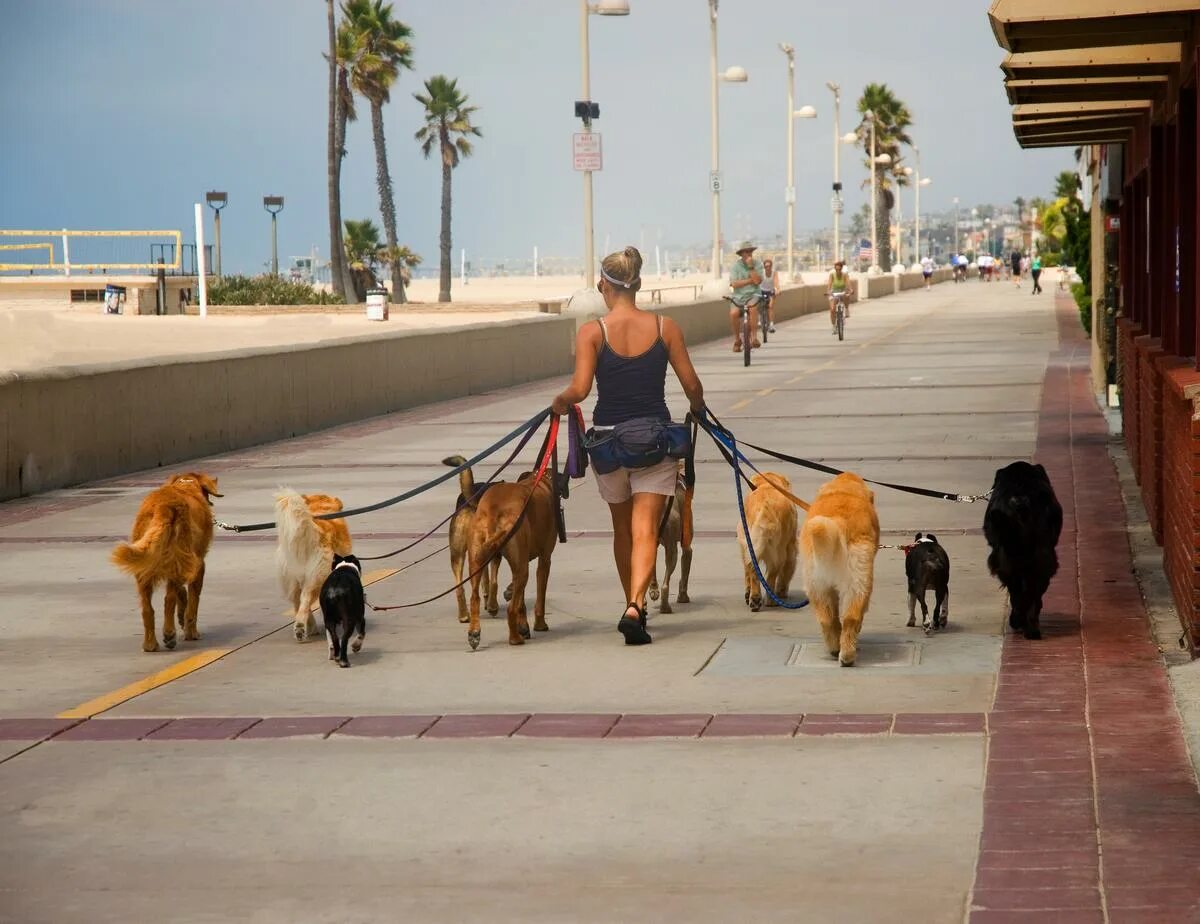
(343, 607)
(1022, 525)
(928, 568)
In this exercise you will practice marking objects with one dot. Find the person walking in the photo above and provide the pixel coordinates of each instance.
(1035, 270)
(1015, 260)
(626, 355)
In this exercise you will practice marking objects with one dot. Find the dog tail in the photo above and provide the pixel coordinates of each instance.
(163, 550)
(466, 478)
(825, 538)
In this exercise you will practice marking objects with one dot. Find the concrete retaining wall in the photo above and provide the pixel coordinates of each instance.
(70, 425)
(65, 426)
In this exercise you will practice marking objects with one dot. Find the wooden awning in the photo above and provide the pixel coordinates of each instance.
(1054, 25)
(1087, 71)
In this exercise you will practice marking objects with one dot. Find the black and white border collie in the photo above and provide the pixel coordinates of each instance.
(343, 607)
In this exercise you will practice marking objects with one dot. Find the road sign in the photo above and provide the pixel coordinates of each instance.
(789, 195)
(837, 204)
(586, 150)
(714, 180)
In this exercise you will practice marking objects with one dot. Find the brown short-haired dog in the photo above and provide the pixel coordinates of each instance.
(170, 538)
(534, 535)
(839, 540)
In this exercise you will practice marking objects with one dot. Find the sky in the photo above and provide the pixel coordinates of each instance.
(120, 114)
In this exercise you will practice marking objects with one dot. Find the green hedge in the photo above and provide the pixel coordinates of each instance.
(266, 290)
(1083, 298)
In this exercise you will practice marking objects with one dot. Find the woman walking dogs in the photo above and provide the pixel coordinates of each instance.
(633, 445)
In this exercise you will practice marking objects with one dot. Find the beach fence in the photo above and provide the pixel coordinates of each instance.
(63, 252)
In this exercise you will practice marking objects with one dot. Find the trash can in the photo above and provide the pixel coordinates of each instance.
(377, 304)
(114, 299)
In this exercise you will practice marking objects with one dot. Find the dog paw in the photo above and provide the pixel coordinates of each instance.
(666, 608)
(344, 662)
(300, 631)
(516, 639)
(540, 627)
(847, 661)
(912, 621)
(169, 641)
(835, 654)
(683, 597)
(150, 646)
(192, 636)
(494, 611)
(653, 591)
(1033, 634)
(508, 593)
(464, 618)
(755, 604)
(928, 628)
(356, 645)
(473, 640)
(524, 631)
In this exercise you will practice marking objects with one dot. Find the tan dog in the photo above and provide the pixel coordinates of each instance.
(772, 520)
(534, 535)
(170, 538)
(839, 540)
(460, 539)
(305, 551)
(675, 533)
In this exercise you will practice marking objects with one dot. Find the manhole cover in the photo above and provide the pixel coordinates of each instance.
(888, 654)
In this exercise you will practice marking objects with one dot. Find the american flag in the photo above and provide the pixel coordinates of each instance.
(863, 251)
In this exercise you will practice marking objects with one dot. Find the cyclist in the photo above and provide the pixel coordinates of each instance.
(770, 288)
(745, 278)
(838, 282)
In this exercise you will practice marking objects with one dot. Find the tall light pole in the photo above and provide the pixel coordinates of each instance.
(908, 172)
(920, 182)
(732, 75)
(586, 110)
(957, 242)
(789, 194)
(216, 201)
(274, 205)
(836, 202)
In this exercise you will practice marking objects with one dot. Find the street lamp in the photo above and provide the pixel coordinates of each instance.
(587, 110)
(956, 238)
(908, 172)
(274, 205)
(838, 140)
(216, 201)
(730, 75)
(804, 112)
(920, 182)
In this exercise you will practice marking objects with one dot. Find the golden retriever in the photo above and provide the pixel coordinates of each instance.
(304, 555)
(772, 520)
(839, 540)
(534, 535)
(170, 538)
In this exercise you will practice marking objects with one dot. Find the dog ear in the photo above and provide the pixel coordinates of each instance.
(208, 485)
(337, 560)
(917, 537)
(931, 537)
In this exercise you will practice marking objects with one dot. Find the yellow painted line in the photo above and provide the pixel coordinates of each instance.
(182, 668)
(741, 404)
(138, 687)
(765, 392)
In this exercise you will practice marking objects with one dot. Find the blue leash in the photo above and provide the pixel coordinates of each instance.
(729, 442)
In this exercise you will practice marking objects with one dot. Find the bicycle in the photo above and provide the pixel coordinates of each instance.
(839, 309)
(744, 313)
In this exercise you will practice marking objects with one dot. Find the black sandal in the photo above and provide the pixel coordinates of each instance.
(634, 630)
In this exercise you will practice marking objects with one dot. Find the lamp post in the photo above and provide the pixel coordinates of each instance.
(730, 75)
(957, 242)
(274, 205)
(920, 182)
(838, 140)
(908, 172)
(789, 195)
(587, 111)
(216, 201)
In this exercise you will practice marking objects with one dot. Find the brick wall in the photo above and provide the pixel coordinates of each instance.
(1130, 381)
(1150, 431)
(1181, 491)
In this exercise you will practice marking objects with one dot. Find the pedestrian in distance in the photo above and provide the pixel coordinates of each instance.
(1035, 270)
(626, 354)
(1016, 267)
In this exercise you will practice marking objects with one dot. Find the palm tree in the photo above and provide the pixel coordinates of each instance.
(1066, 186)
(381, 50)
(363, 252)
(447, 124)
(892, 120)
(341, 108)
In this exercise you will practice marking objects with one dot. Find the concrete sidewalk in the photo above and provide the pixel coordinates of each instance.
(853, 795)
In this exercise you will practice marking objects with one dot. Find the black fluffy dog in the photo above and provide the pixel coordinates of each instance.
(343, 607)
(1022, 525)
(928, 568)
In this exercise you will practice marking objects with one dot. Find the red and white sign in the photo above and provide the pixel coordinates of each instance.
(586, 149)
(1112, 223)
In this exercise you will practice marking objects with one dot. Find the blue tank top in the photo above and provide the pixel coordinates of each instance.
(628, 387)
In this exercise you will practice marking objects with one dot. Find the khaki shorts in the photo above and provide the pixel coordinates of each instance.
(619, 486)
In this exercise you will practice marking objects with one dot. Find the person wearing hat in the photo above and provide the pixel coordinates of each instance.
(745, 279)
(838, 282)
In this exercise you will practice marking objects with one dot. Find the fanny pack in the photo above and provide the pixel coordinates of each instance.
(637, 443)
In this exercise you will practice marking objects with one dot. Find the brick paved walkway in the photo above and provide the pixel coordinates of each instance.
(1091, 809)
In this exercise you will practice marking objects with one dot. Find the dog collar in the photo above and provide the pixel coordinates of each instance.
(348, 564)
(923, 539)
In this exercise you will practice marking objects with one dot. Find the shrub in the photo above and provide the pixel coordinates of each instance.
(1083, 298)
(1051, 259)
(266, 290)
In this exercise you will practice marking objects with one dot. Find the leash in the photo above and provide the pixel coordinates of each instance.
(546, 453)
(830, 470)
(478, 492)
(727, 443)
(737, 483)
(531, 424)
